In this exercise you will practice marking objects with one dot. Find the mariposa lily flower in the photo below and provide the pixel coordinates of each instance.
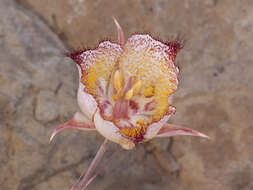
(125, 93)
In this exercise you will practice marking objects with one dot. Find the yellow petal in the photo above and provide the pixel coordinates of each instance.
(150, 62)
(97, 66)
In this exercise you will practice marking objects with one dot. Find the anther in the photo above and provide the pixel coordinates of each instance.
(137, 87)
(129, 94)
(117, 80)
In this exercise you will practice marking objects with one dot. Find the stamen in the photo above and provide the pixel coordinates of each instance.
(129, 94)
(137, 87)
(117, 81)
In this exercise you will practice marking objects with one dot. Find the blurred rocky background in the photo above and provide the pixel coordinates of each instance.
(38, 92)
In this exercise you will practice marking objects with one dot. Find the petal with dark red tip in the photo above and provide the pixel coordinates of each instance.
(150, 61)
(95, 70)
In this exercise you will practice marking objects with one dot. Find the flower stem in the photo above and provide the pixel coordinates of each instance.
(82, 184)
(101, 168)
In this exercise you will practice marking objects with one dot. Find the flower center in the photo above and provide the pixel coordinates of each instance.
(124, 93)
(131, 85)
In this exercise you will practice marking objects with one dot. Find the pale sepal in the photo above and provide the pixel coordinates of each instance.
(169, 130)
(121, 40)
(79, 121)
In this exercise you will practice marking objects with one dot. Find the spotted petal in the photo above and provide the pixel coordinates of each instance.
(130, 85)
(150, 80)
(95, 68)
(150, 61)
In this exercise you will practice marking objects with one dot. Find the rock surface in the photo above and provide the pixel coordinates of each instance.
(38, 90)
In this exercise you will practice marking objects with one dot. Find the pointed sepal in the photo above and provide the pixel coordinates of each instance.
(79, 122)
(169, 130)
(121, 40)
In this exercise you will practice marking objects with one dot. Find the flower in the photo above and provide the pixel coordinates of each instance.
(126, 90)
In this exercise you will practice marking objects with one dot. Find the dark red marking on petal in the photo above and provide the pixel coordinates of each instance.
(105, 104)
(134, 106)
(139, 139)
(149, 106)
(120, 110)
(76, 56)
(100, 90)
(174, 47)
(132, 135)
(105, 108)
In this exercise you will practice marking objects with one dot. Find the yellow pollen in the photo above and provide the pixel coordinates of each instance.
(140, 123)
(117, 80)
(149, 91)
(129, 94)
(137, 87)
(133, 132)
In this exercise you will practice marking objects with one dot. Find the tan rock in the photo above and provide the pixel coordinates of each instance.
(215, 94)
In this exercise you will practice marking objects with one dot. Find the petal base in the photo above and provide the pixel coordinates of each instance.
(111, 132)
